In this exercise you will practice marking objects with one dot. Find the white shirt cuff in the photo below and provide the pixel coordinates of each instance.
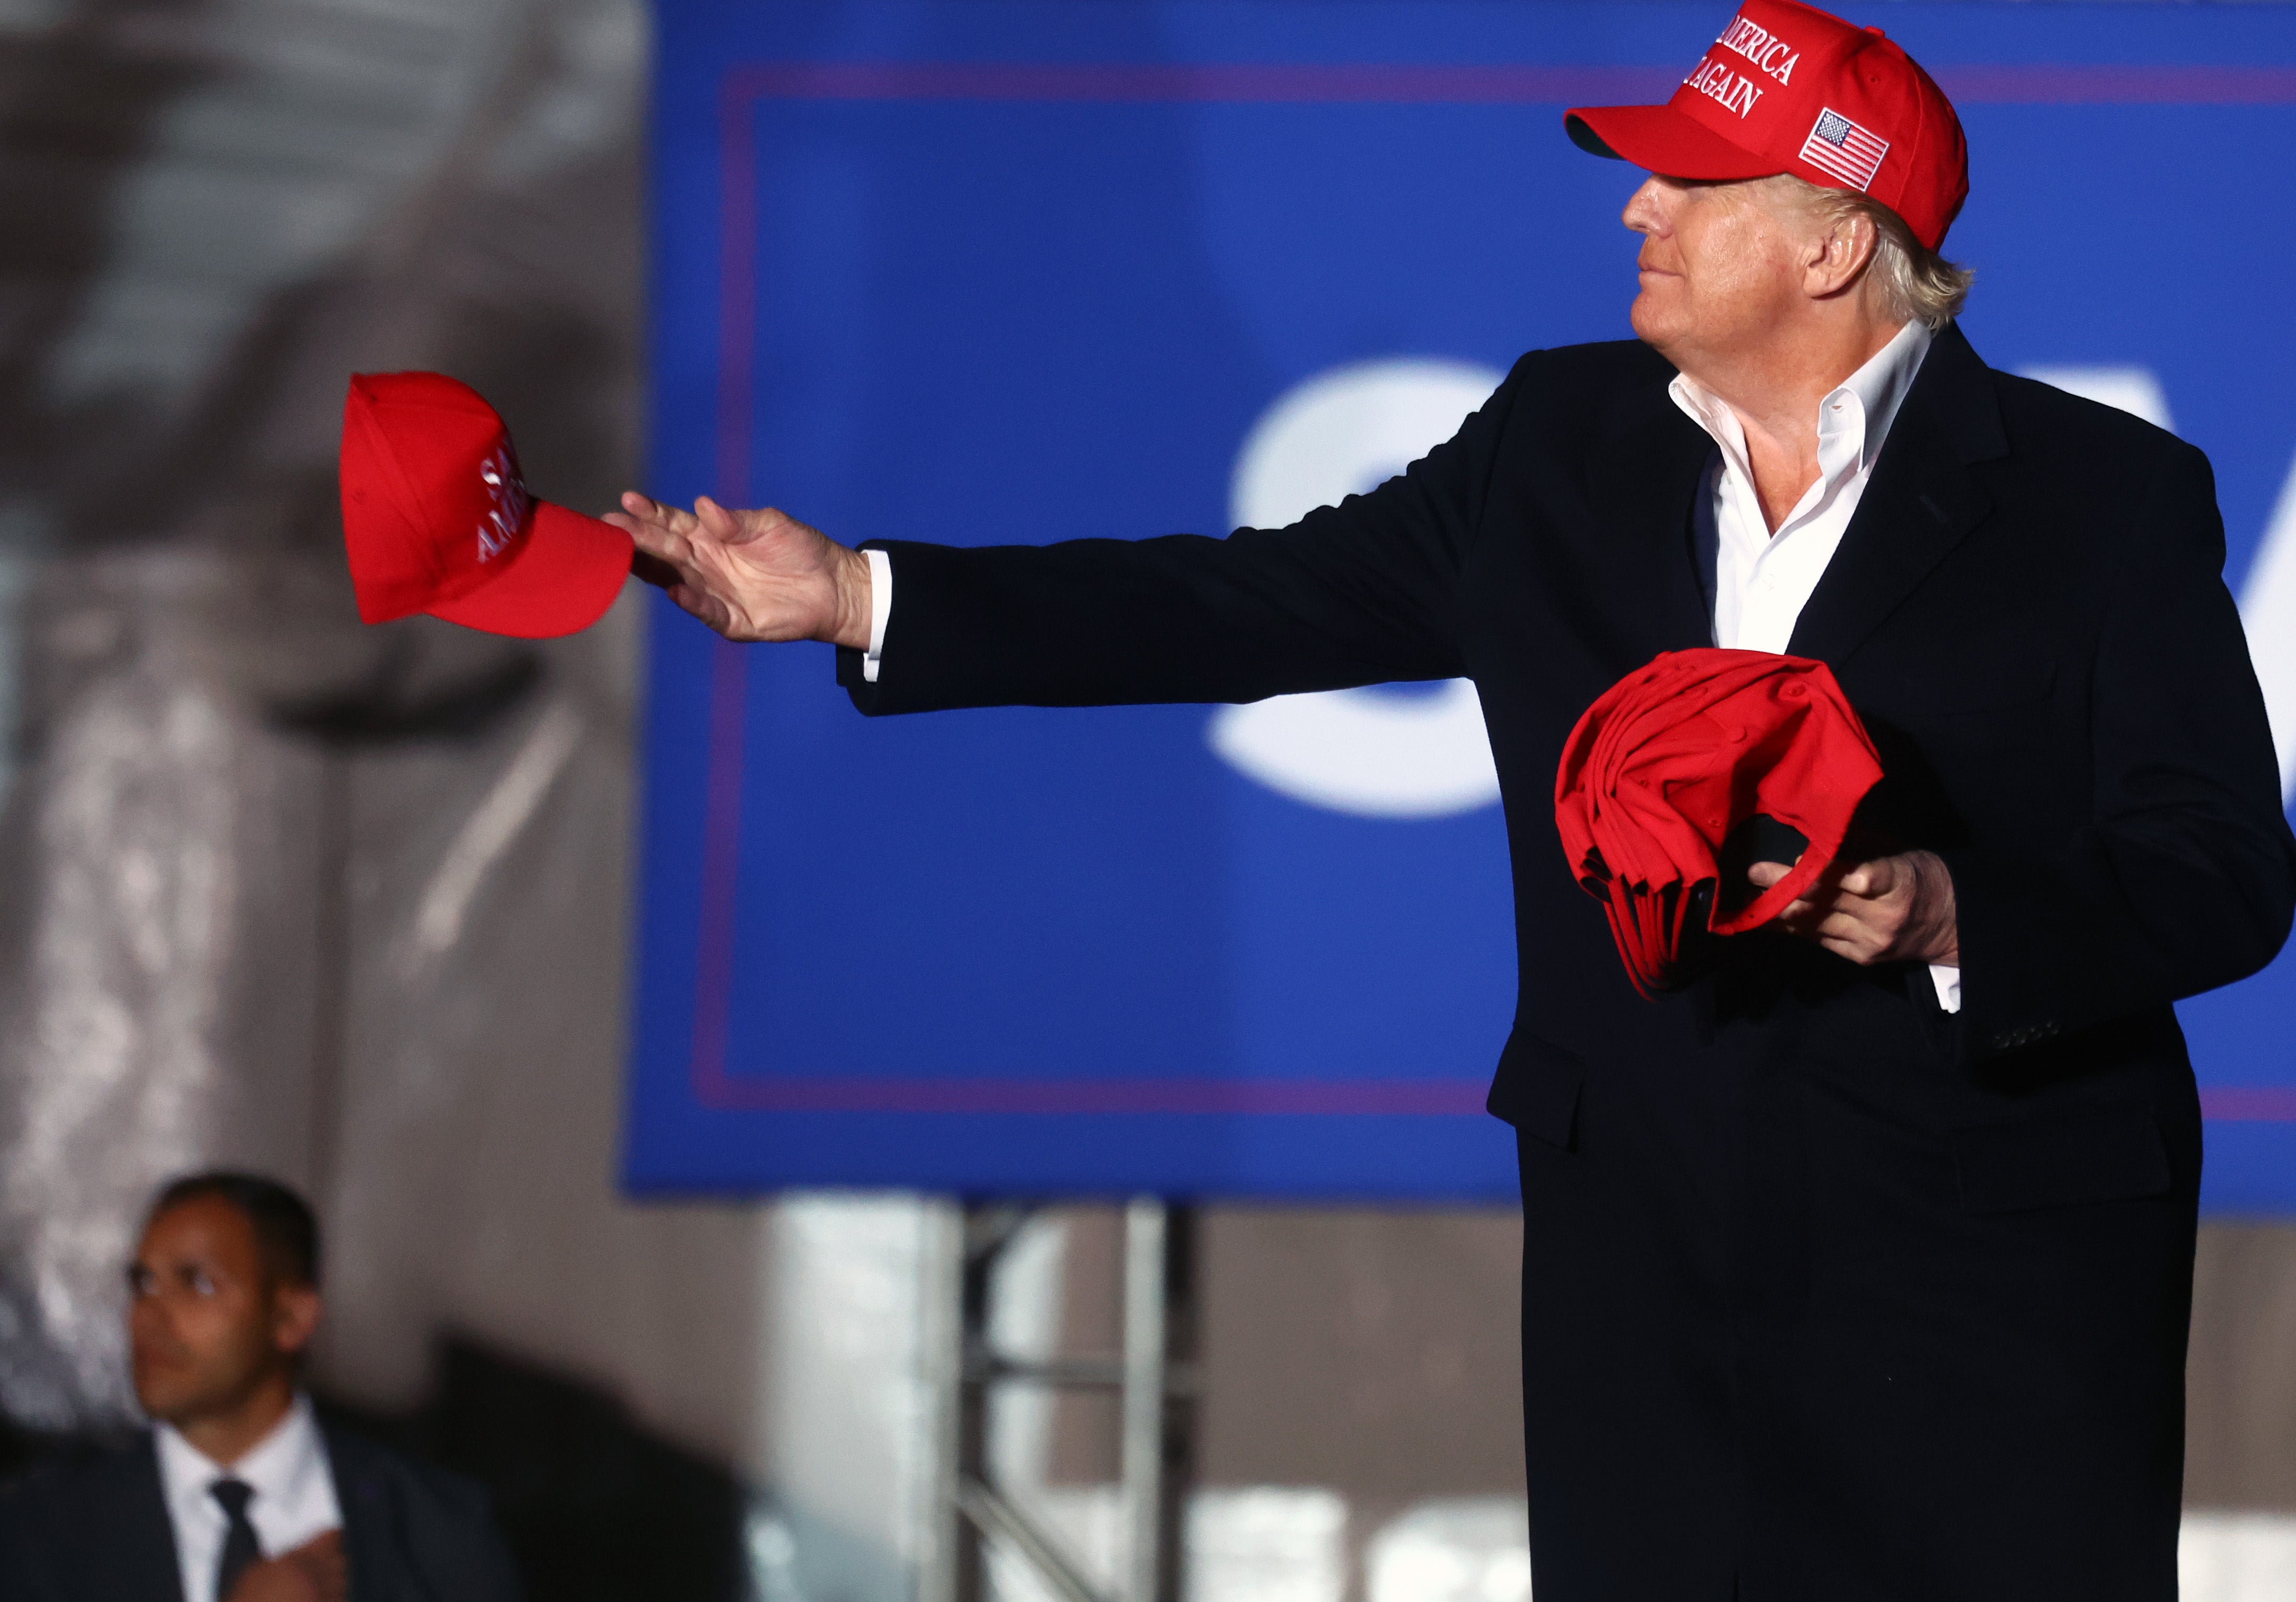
(1948, 981)
(881, 608)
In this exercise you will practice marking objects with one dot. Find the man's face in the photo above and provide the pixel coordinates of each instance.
(1721, 268)
(208, 1323)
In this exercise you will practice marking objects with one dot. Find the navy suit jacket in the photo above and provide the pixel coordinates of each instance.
(1827, 1295)
(97, 1531)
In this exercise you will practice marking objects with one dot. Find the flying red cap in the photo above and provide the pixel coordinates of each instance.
(437, 520)
(1688, 770)
(1789, 88)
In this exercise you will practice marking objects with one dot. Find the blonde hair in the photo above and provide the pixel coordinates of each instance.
(1914, 279)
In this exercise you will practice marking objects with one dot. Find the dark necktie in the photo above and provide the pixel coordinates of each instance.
(240, 1547)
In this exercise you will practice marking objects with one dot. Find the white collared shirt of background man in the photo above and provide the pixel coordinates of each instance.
(1761, 580)
(294, 1498)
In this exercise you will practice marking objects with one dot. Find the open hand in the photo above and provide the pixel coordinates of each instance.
(313, 1571)
(1892, 909)
(756, 575)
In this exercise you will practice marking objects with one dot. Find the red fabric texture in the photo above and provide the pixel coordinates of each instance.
(437, 517)
(1678, 756)
(1789, 88)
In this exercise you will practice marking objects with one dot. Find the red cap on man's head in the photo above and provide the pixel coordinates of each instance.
(436, 520)
(1789, 88)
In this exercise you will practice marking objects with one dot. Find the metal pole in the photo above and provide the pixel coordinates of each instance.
(1181, 1399)
(1152, 1375)
(942, 1536)
(1144, 1331)
(991, 1513)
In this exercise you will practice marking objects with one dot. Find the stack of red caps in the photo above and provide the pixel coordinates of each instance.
(1686, 772)
(437, 517)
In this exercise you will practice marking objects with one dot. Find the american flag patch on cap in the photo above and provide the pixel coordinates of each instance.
(1839, 147)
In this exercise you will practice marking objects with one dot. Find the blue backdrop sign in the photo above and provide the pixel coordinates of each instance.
(984, 272)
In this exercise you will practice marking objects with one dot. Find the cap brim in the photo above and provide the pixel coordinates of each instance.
(1660, 139)
(561, 581)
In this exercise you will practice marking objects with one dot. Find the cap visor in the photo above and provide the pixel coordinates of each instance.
(561, 581)
(1660, 139)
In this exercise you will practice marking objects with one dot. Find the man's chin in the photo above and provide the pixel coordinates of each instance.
(171, 1400)
(1653, 324)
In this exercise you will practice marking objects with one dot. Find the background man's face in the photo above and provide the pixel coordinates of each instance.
(1719, 267)
(208, 1323)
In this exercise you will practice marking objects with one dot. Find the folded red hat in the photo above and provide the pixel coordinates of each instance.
(1789, 88)
(437, 520)
(1696, 762)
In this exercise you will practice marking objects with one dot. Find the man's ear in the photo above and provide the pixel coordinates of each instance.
(1839, 255)
(295, 1312)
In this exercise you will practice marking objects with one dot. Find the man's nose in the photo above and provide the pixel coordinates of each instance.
(1644, 214)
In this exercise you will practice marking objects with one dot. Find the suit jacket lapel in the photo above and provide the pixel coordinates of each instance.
(1644, 481)
(1920, 503)
(129, 1537)
(364, 1498)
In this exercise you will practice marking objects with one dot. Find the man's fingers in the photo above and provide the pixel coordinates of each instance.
(676, 520)
(313, 1571)
(657, 540)
(1868, 880)
(1871, 914)
(717, 522)
(655, 571)
(731, 528)
(703, 605)
(1851, 949)
(1824, 920)
(1871, 879)
(650, 538)
(1846, 932)
(1842, 926)
(321, 1557)
(727, 528)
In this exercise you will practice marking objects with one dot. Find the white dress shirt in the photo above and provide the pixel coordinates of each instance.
(294, 1497)
(1761, 580)
(880, 607)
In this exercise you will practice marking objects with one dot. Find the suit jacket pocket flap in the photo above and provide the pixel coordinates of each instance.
(1980, 679)
(2088, 1155)
(1537, 1089)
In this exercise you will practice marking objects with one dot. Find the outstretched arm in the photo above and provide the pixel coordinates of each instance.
(752, 575)
(1362, 592)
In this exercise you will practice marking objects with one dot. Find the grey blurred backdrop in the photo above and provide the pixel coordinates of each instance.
(350, 905)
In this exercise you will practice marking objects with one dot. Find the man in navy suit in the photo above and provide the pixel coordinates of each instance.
(238, 1494)
(1862, 1268)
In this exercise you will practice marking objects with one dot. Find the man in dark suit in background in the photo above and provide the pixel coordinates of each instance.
(1862, 1270)
(238, 1494)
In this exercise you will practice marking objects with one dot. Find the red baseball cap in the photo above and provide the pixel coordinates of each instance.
(1684, 773)
(1789, 88)
(437, 520)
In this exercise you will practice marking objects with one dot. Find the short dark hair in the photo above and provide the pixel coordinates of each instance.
(285, 1231)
